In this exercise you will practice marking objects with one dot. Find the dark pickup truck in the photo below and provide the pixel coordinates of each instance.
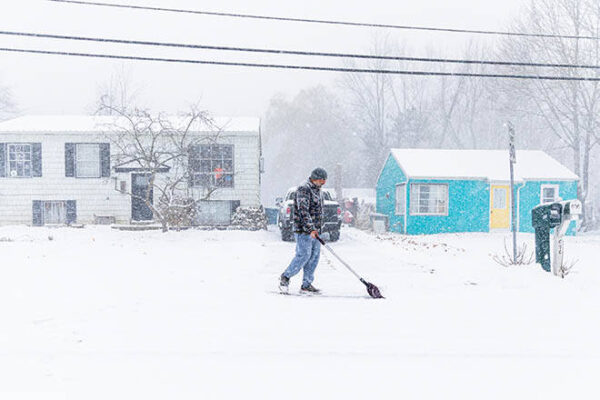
(332, 218)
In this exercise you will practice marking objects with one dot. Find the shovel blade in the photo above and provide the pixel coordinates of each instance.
(373, 290)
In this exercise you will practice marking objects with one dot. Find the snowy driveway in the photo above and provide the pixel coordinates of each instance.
(96, 313)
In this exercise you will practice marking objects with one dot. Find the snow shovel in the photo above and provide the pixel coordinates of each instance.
(371, 289)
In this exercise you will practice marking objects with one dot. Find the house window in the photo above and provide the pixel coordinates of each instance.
(215, 212)
(19, 160)
(87, 163)
(212, 166)
(549, 194)
(400, 199)
(55, 212)
(428, 199)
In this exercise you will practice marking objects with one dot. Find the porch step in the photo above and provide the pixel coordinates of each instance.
(134, 227)
(143, 223)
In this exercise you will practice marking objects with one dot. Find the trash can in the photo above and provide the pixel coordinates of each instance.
(379, 222)
(271, 215)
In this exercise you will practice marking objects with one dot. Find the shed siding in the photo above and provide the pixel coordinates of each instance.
(530, 196)
(468, 209)
(469, 203)
(391, 175)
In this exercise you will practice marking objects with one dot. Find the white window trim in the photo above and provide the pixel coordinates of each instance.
(7, 156)
(556, 192)
(412, 212)
(97, 145)
(396, 197)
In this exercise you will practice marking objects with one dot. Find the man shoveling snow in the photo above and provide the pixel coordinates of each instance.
(308, 219)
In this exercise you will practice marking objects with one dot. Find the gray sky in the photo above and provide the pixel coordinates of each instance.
(66, 85)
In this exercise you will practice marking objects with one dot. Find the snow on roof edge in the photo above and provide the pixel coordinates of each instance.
(91, 123)
(489, 164)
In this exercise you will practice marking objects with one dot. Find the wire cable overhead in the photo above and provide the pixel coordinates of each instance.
(323, 21)
(296, 52)
(299, 67)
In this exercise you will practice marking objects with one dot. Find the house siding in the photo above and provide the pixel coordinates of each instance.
(97, 196)
(94, 196)
(246, 159)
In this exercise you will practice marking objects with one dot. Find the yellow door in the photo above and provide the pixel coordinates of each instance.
(500, 214)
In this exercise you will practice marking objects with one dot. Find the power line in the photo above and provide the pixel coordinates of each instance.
(301, 67)
(324, 21)
(297, 52)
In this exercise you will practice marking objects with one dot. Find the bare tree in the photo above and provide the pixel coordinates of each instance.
(166, 149)
(118, 92)
(569, 110)
(466, 112)
(309, 130)
(7, 105)
(388, 111)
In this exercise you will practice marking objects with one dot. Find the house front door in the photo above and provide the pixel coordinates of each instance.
(140, 188)
(500, 207)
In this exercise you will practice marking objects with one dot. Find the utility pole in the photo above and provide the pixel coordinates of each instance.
(338, 183)
(512, 160)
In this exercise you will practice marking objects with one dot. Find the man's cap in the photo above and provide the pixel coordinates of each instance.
(318, 173)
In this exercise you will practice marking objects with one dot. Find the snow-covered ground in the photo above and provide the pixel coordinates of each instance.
(97, 313)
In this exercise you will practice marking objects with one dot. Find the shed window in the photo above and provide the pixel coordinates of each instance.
(428, 199)
(88, 160)
(400, 199)
(19, 160)
(500, 197)
(549, 194)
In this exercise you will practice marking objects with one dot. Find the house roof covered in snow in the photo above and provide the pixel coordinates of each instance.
(479, 164)
(94, 124)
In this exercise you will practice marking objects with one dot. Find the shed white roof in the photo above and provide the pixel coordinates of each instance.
(480, 164)
(90, 123)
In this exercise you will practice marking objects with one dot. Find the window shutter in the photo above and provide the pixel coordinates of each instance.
(37, 213)
(2, 160)
(193, 163)
(105, 160)
(71, 212)
(70, 159)
(36, 159)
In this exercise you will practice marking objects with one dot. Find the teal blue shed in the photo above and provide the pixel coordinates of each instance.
(426, 191)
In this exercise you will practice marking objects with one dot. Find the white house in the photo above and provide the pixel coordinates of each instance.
(59, 169)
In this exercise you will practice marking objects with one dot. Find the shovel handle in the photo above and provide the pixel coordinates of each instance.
(338, 257)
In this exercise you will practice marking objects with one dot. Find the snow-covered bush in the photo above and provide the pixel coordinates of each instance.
(249, 218)
(179, 212)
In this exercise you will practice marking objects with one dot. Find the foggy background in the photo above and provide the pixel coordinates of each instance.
(312, 118)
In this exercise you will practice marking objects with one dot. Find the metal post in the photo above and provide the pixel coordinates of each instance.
(338, 183)
(513, 160)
